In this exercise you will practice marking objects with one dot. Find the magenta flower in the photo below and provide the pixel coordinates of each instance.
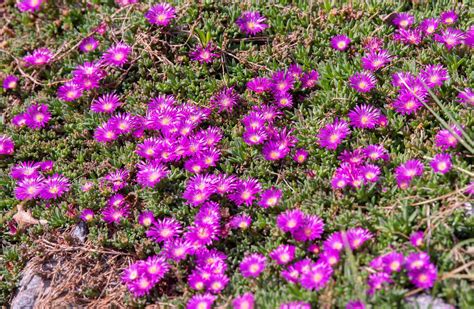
(355, 304)
(177, 249)
(270, 198)
(370, 172)
(466, 97)
(444, 139)
(87, 215)
(332, 135)
(290, 220)
(469, 37)
(330, 257)
(164, 230)
(255, 136)
(450, 37)
(225, 99)
(376, 152)
(204, 54)
(106, 103)
(375, 60)
(362, 81)
(115, 214)
(105, 133)
(70, 91)
(26, 169)
(284, 254)
(54, 187)
(10, 82)
(245, 192)
(416, 261)
(407, 103)
(373, 44)
(117, 179)
(309, 79)
(225, 184)
(38, 57)
(37, 116)
(441, 163)
(393, 262)
(7, 146)
(424, 278)
(364, 116)
(259, 84)
(203, 234)
(252, 265)
(429, 25)
(29, 188)
(448, 18)
(204, 301)
(117, 54)
(245, 301)
(116, 200)
(434, 75)
(300, 156)
(317, 277)
(283, 100)
(282, 82)
(146, 218)
(240, 222)
(334, 242)
(209, 213)
(408, 36)
(88, 44)
(19, 120)
(405, 172)
(377, 281)
(340, 42)
(251, 22)
(357, 237)
(156, 267)
(311, 228)
(161, 14)
(416, 239)
(29, 5)
(403, 20)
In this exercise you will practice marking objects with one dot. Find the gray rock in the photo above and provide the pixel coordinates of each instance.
(31, 287)
(425, 301)
(79, 232)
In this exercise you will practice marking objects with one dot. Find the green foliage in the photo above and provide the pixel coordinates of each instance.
(299, 32)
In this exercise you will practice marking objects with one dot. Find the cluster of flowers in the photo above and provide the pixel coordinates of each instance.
(7, 146)
(258, 123)
(311, 275)
(413, 93)
(357, 167)
(243, 192)
(10, 82)
(31, 183)
(421, 272)
(35, 117)
(209, 274)
(428, 27)
(143, 275)
(440, 163)
(88, 75)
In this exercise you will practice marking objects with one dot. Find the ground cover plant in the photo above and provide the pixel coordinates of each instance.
(289, 154)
